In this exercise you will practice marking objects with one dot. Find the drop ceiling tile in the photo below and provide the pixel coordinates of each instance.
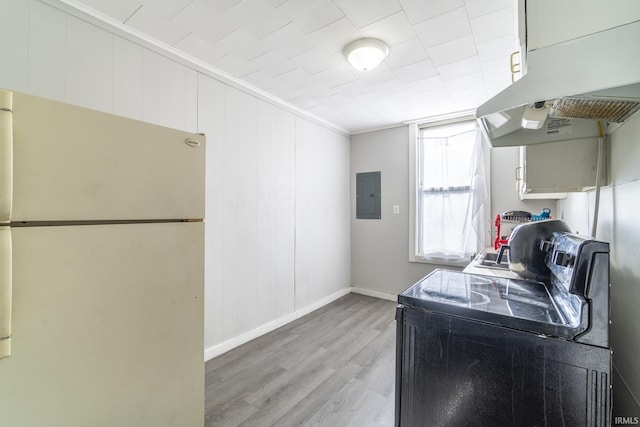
(493, 25)
(233, 66)
(386, 90)
(272, 63)
(295, 78)
(257, 17)
(455, 50)
(393, 30)
(167, 8)
(406, 53)
(317, 60)
(428, 85)
(418, 71)
(200, 48)
(319, 92)
(365, 12)
(219, 6)
(476, 8)
(202, 19)
(366, 100)
(381, 73)
(465, 82)
(259, 79)
(469, 98)
(312, 15)
(496, 48)
(336, 76)
(421, 10)
(285, 92)
(441, 29)
(120, 10)
(243, 45)
(498, 65)
(335, 36)
(275, 3)
(352, 89)
(458, 69)
(150, 22)
(289, 41)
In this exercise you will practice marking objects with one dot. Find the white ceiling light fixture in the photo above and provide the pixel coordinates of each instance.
(366, 54)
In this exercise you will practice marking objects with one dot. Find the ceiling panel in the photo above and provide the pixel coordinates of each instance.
(407, 53)
(365, 12)
(493, 25)
(444, 54)
(452, 51)
(444, 28)
(421, 10)
(393, 29)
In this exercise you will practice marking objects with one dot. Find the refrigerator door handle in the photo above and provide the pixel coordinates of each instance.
(5, 291)
(6, 154)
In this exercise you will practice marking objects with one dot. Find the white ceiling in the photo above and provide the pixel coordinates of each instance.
(445, 55)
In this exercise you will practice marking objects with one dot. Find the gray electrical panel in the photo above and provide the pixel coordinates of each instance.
(368, 195)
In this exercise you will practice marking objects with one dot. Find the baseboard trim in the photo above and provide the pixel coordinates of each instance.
(324, 301)
(244, 338)
(375, 294)
(234, 342)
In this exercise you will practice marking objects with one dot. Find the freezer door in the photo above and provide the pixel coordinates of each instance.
(6, 154)
(75, 164)
(107, 326)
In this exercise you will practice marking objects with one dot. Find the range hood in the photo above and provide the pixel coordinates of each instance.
(577, 83)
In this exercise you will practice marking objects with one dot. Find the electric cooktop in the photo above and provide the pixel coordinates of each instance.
(516, 303)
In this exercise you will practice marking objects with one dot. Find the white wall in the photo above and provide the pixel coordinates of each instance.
(617, 224)
(322, 214)
(277, 211)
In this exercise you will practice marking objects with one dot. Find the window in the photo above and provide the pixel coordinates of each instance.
(450, 193)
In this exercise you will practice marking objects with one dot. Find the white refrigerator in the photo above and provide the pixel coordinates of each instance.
(101, 269)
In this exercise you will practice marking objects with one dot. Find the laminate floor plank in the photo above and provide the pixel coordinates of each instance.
(332, 367)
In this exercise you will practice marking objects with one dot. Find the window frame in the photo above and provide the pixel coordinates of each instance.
(414, 226)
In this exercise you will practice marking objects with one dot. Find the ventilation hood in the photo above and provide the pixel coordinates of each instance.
(568, 87)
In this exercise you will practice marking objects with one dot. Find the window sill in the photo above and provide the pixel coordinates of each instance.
(461, 263)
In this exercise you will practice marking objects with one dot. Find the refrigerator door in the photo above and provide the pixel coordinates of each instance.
(5, 292)
(107, 327)
(75, 164)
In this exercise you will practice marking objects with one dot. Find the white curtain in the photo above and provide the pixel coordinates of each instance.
(451, 198)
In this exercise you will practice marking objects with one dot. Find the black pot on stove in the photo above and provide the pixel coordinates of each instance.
(524, 248)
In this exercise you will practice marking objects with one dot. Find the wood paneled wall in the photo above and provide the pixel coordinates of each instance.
(277, 208)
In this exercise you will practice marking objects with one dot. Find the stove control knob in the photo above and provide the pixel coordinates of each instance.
(546, 245)
(563, 259)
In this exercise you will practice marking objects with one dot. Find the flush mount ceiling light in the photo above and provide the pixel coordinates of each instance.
(366, 54)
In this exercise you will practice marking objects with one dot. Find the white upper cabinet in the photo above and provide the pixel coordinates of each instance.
(552, 22)
(550, 170)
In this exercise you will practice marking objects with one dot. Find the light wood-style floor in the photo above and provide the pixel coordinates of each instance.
(334, 367)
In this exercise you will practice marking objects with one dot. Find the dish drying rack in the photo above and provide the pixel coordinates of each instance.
(515, 217)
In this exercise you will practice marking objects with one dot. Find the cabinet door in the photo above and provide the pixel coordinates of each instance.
(549, 23)
(551, 169)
